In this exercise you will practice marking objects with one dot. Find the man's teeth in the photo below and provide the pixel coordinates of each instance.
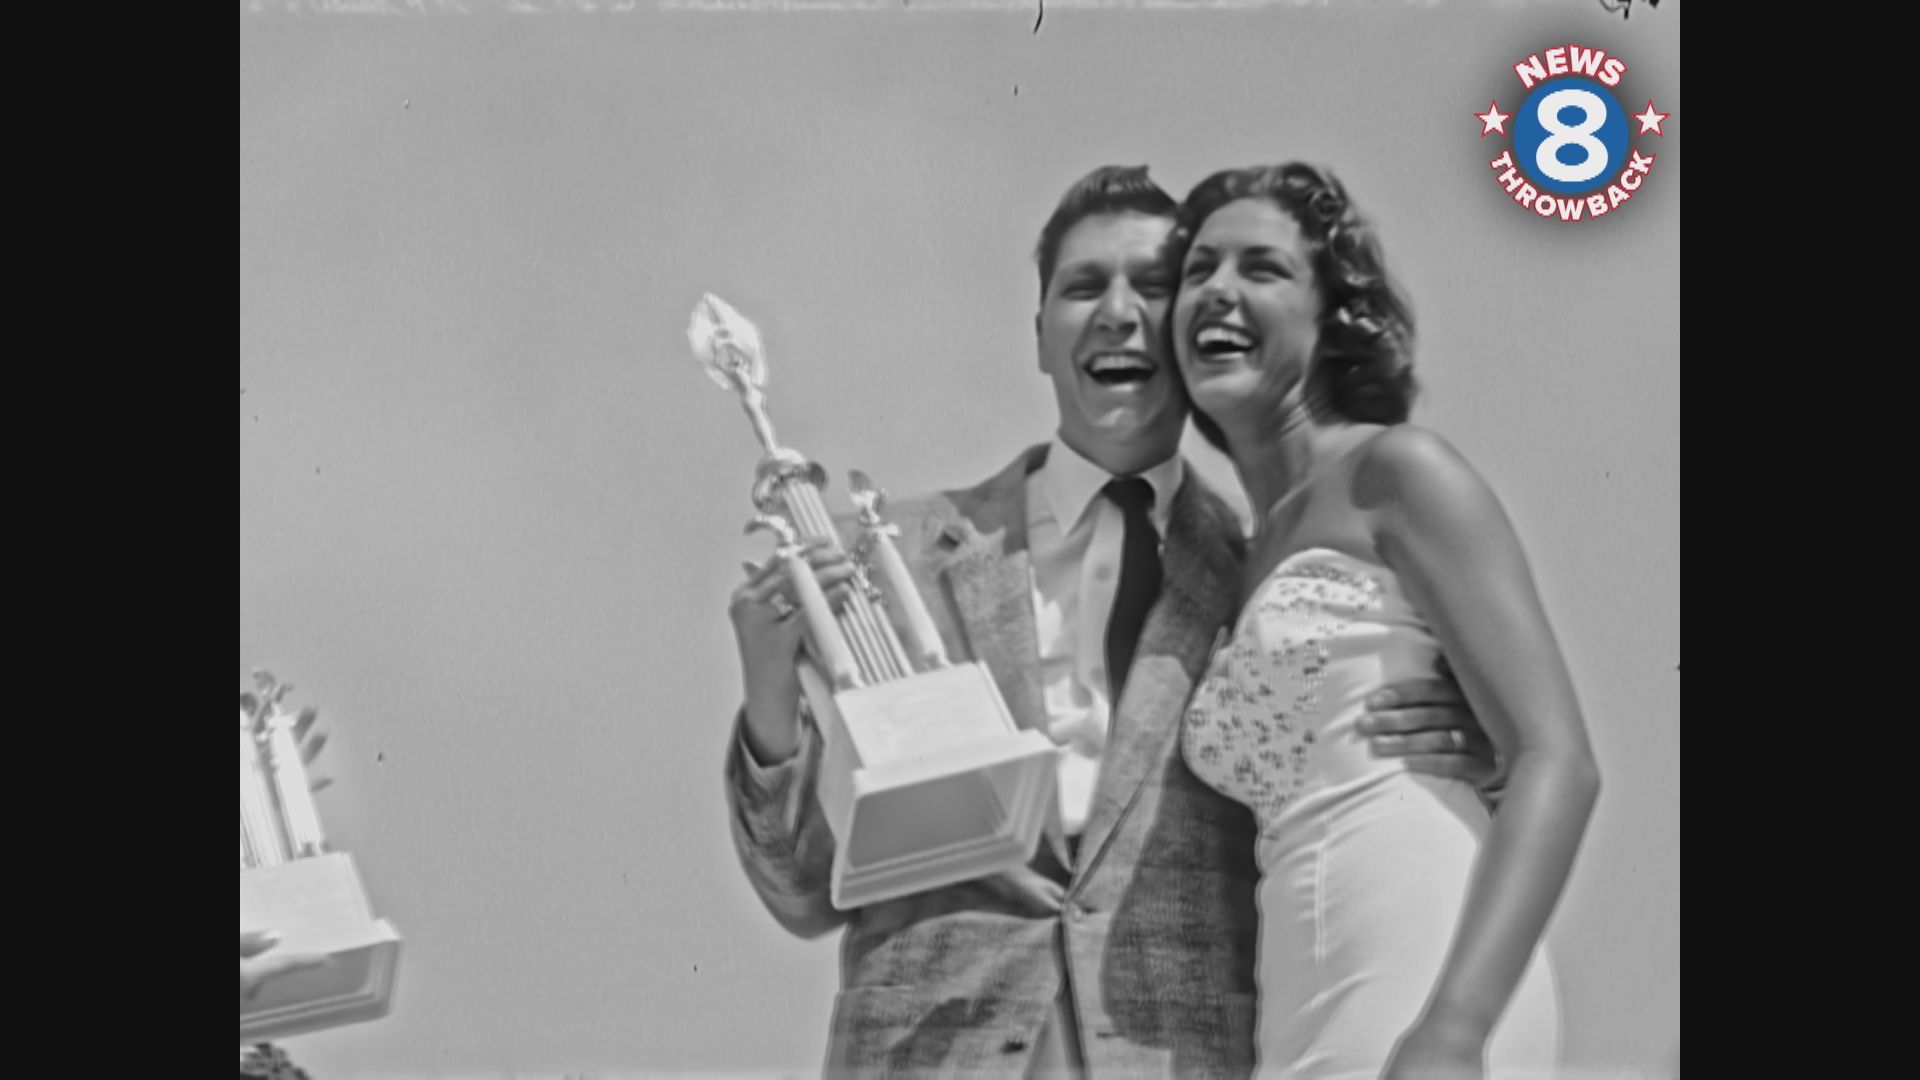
(1119, 364)
(1222, 339)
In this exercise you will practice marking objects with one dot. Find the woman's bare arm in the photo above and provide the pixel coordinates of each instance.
(1440, 528)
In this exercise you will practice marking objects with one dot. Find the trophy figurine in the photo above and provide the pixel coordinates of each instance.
(925, 779)
(292, 883)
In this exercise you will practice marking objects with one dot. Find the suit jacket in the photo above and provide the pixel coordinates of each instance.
(1155, 940)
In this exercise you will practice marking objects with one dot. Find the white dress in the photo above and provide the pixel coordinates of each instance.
(1364, 865)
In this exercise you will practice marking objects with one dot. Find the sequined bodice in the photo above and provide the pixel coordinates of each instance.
(1273, 724)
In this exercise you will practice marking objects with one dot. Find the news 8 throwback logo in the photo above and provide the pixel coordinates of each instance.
(1575, 154)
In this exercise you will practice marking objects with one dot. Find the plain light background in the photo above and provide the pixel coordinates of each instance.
(490, 508)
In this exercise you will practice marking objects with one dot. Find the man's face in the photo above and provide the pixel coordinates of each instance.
(1102, 342)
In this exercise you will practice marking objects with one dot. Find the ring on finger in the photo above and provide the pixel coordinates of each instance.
(1459, 740)
(781, 605)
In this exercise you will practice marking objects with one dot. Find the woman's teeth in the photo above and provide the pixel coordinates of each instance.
(1221, 340)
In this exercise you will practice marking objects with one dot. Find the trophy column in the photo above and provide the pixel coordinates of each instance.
(261, 841)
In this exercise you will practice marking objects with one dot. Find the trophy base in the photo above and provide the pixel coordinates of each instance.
(926, 782)
(317, 905)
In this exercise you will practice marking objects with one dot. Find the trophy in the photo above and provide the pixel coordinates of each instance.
(924, 779)
(292, 883)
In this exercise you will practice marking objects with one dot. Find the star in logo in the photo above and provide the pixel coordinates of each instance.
(1494, 120)
(1650, 120)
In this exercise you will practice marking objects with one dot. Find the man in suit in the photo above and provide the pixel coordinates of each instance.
(1091, 577)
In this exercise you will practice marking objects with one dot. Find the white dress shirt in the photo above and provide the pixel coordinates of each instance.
(1074, 539)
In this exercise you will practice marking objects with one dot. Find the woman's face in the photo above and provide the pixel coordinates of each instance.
(1248, 312)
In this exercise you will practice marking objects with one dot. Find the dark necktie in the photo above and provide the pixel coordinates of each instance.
(1139, 579)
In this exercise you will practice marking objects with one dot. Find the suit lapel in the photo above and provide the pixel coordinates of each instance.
(993, 595)
(1201, 558)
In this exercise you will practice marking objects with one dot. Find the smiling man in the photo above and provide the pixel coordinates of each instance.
(1091, 577)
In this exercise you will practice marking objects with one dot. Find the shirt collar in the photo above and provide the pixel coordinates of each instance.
(1070, 483)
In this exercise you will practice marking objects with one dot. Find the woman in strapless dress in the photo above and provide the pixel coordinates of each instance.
(1400, 923)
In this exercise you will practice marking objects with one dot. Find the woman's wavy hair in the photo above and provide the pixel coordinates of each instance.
(1364, 360)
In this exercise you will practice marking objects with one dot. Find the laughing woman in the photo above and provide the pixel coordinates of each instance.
(1400, 923)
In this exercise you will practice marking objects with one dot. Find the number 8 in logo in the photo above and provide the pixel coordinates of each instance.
(1570, 136)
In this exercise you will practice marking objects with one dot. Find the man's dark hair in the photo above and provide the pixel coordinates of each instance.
(1109, 189)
